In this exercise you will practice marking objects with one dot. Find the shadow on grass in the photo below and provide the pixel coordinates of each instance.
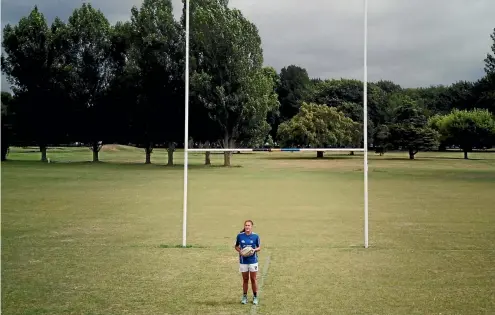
(450, 158)
(119, 164)
(382, 158)
(425, 158)
(217, 302)
(180, 246)
(306, 158)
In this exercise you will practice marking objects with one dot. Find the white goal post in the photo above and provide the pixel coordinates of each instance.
(365, 133)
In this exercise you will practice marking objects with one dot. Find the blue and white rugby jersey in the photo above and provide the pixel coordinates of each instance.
(243, 240)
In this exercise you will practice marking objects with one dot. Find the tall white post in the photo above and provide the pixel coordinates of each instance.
(365, 123)
(186, 128)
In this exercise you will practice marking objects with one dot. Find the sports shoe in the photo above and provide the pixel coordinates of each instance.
(255, 300)
(244, 299)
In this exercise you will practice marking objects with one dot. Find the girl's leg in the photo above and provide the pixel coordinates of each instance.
(254, 282)
(245, 282)
(254, 286)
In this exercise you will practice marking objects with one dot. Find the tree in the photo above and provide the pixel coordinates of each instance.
(7, 101)
(273, 117)
(388, 86)
(292, 90)
(319, 126)
(347, 95)
(33, 64)
(414, 139)
(355, 112)
(460, 95)
(154, 63)
(91, 57)
(382, 138)
(121, 94)
(484, 93)
(484, 89)
(409, 129)
(334, 92)
(466, 128)
(435, 99)
(490, 57)
(229, 79)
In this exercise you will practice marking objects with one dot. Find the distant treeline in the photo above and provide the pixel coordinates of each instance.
(85, 80)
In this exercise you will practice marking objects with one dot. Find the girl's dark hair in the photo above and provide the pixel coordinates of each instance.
(243, 229)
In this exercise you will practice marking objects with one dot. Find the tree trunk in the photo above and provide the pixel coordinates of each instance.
(319, 154)
(227, 144)
(352, 153)
(411, 154)
(207, 158)
(227, 158)
(207, 153)
(95, 147)
(5, 142)
(465, 154)
(148, 150)
(43, 153)
(170, 151)
(5, 150)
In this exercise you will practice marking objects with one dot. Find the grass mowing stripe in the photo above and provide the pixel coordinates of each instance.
(260, 287)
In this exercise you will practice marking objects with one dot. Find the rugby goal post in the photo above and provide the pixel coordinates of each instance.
(365, 133)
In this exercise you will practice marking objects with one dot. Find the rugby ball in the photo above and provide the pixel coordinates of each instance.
(247, 251)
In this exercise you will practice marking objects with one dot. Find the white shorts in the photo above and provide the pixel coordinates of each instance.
(248, 267)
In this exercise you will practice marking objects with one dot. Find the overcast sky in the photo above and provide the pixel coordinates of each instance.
(413, 43)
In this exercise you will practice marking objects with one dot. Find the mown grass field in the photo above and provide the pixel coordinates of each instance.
(86, 238)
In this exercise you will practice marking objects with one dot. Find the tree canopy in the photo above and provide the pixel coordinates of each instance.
(319, 126)
(466, 129)
(229, 78)
(90, 81)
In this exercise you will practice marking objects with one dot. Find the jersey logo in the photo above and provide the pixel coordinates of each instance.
(243, 241)
(251, 241)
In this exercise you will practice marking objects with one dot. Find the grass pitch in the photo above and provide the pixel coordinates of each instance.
(85, 238)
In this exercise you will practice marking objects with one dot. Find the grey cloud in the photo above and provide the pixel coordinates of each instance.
(418, 43)
(413, 43)
(115, 10)
(323, 36)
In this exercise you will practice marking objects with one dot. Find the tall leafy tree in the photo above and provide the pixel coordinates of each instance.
(33, 63)
(293, 90)
(381, 141)
(155, 62)
(121, 94)
(484, 88)
(91, 57)
(274, 115)
(490, 57)
(229, 79)
(409, 130)
(7, 123)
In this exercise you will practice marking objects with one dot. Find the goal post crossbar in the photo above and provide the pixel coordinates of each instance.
(276, 150)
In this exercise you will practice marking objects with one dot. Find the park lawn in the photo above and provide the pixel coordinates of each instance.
(86, 238)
